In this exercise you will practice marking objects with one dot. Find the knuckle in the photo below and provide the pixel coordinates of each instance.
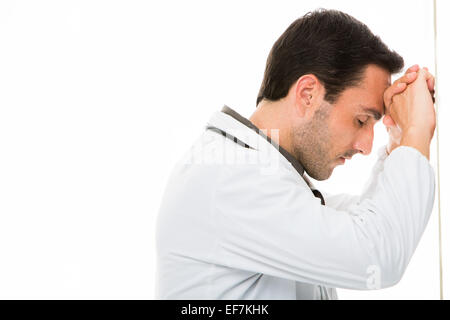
(397, 81)
(423, 72)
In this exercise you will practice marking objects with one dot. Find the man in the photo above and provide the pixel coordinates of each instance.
(240, 219)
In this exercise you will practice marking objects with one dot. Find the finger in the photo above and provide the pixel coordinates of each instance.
(426, 74)
(430, 83)
(430, 80)
(396, 88)
(388, 121)
(409, 77)
(400, 85)
(413, 68)
(406, 79)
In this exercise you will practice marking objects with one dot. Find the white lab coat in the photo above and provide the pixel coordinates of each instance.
(242, 223)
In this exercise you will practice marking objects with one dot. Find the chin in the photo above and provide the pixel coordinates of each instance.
(322, 175)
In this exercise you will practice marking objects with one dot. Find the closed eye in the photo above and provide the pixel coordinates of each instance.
(362, 122)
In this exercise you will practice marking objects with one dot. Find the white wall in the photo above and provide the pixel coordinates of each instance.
(443, 51)
(99, 98)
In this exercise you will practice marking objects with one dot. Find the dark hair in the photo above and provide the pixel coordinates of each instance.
(330, 44)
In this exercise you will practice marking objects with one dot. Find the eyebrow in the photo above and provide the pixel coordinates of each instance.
(372, 111)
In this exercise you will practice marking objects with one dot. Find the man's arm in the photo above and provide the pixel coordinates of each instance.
(290, 235)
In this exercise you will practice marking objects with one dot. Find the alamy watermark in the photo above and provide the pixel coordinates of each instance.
(237, 147)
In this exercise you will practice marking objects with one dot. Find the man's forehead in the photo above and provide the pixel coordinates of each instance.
(370, 94)
(374, 110)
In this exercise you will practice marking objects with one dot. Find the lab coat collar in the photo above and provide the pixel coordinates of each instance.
(234, 126)
(231, 122)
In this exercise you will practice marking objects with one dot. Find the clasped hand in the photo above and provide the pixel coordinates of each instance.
(409, 104)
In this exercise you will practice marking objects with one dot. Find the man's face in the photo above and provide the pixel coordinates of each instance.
(342, 129)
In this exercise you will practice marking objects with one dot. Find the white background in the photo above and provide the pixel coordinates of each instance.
(98, 99)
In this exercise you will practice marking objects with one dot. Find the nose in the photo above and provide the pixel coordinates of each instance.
(364, 141)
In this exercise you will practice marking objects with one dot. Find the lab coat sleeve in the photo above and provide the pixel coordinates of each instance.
(275, 226)
(342, 201)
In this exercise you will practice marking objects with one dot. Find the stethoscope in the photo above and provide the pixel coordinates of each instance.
(315, 192)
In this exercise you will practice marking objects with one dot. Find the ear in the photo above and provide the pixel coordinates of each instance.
(307, 89)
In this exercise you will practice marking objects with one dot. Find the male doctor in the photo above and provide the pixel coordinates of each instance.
(239, 218)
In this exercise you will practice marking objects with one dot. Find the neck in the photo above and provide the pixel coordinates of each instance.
(273, 117)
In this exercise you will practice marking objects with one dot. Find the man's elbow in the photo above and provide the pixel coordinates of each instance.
(381, 276)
